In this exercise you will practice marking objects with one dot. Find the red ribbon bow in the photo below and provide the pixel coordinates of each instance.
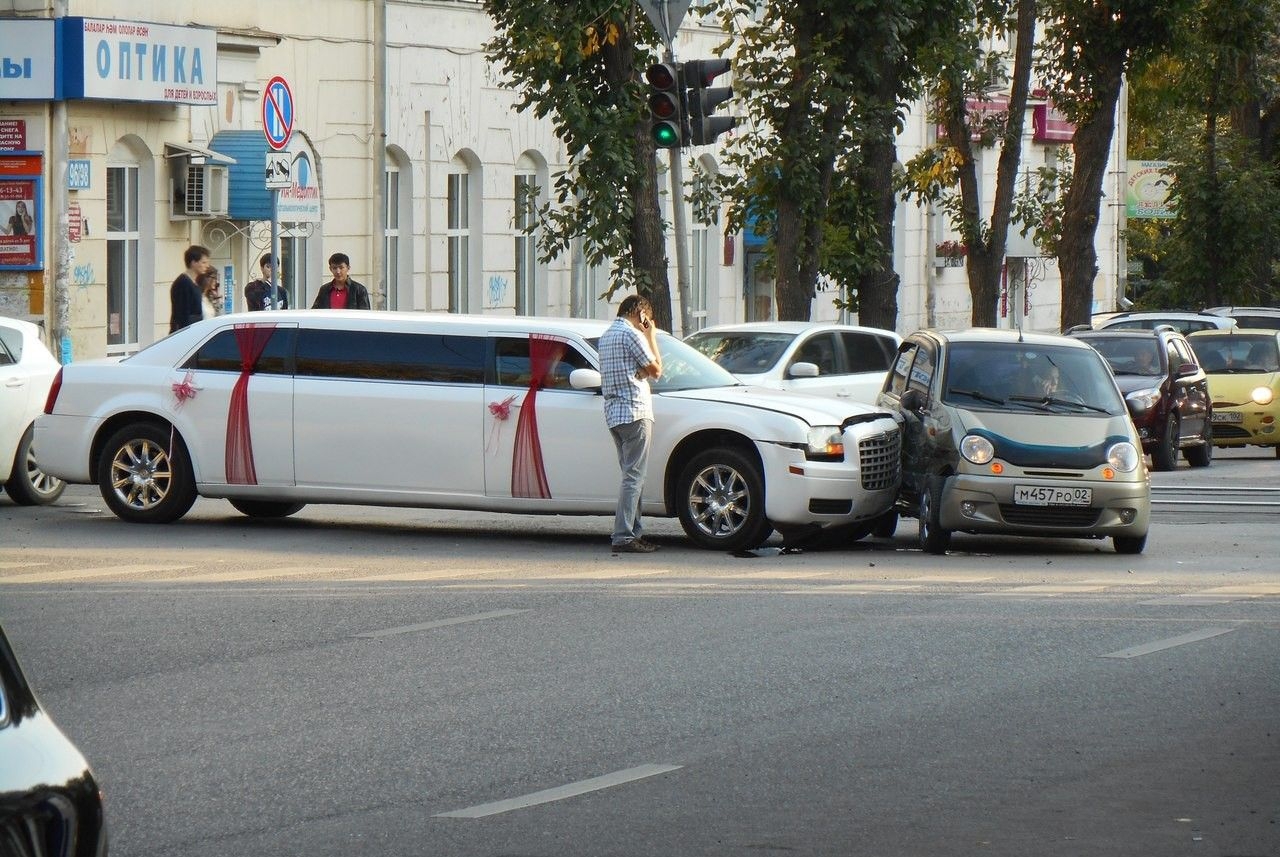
(185, 389)
(502, 410)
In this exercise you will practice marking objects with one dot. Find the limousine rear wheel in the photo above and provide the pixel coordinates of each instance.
(722, 501)
(145, 475)
(266, 508)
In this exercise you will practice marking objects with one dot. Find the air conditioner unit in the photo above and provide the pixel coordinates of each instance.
(199, 190)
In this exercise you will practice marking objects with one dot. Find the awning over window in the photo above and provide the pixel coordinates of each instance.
(246, 153)
(196, 154)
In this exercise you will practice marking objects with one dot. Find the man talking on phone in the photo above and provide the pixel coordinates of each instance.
(629, 357)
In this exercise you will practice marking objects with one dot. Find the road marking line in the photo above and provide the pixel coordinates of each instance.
(777, 575)
(581, 787)
(854, 589)
(439, 623)
(1048, 589)
(255, 574)
(949, 578)
(1249, 590)
(32, 564)
(432, 574)
(1122, 581)
(89, 573)
(599, 574)
(1160, 645)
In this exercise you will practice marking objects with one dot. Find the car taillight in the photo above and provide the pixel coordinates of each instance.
(54, 389)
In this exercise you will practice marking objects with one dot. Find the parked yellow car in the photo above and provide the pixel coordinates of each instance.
(1244, 383)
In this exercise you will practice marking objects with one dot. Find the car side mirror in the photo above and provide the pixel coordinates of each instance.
(1186, 370)
(584, 379)
(803, 369)
(913, 401)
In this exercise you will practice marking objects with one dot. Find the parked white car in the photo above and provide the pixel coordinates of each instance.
(448, 411)
(840, 360)
(26, 371)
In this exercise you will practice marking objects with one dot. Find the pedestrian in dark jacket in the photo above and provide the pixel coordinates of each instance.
(186, 300)
(258, 293)
(341, 292)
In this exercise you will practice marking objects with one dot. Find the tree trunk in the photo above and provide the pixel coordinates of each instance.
(1077, 255)
(648, 241)
(878, 289)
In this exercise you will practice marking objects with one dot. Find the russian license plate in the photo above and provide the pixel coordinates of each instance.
(1227, 417)
(1051, 495)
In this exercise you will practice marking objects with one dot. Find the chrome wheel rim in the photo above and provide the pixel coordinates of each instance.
(41, 483)
(719, 501)
(141, 474)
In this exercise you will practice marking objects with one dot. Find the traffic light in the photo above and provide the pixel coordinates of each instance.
(703, 99)
(666, 105)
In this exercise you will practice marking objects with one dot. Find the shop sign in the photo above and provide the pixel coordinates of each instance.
(139, 61)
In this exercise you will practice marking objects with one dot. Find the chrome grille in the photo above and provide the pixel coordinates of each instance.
(880, 458)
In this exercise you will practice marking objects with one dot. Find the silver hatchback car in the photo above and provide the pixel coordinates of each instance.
(1016, 434)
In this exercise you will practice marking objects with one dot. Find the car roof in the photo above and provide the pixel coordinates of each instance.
(1251, 310)
(996, 334)
(1234, 331)
(793, 327)
(1132, 332)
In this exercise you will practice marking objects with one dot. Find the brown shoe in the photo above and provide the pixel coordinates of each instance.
(634, 546)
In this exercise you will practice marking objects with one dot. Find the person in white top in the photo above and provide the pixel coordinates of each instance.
(210, 294)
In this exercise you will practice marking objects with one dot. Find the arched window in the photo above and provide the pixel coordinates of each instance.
(398, 253)
(130, 180)
(529, 193)
(461, 217)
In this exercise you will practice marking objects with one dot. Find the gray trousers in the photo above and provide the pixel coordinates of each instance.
(632, 440)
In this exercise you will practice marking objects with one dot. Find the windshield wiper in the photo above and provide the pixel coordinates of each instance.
(1046, 401)
(975, 394)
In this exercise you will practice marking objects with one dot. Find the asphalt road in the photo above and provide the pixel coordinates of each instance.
(383, 681)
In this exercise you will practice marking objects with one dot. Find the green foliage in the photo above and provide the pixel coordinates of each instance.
(574, 61)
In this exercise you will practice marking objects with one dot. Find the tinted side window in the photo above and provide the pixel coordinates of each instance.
(222, 354)
(391, 356)
(512, 364)
(10, 346)
(866, 352)
(820, 350)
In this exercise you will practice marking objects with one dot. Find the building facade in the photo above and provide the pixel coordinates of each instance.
(132, 139)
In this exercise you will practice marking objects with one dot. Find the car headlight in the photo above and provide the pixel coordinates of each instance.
(826, 440)
(977, 449)
(1123, 457)
(1261, 395)
(1146, 399)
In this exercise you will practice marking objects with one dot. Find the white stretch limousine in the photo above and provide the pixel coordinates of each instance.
(275, 410)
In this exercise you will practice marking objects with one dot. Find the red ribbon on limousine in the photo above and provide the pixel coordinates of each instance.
(252, 340)
(528, 476)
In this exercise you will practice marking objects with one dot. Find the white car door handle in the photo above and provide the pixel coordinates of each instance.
(844, 393)
(15, 382)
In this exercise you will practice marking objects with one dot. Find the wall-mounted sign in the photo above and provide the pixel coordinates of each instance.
(75, 223)
(27, 66)
(1147, 191)
(78, 171)
(139, 61)
(20, 197)
(13, 134)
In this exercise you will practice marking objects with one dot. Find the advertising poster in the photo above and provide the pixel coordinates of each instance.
(19, 223)
(1147, 192)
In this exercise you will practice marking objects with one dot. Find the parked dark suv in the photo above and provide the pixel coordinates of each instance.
(1165, 388)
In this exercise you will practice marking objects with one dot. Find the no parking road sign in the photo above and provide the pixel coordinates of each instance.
(277, 113)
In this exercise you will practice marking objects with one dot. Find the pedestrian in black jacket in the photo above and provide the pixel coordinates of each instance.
(341, 292)
(186, 300)
(258, 293)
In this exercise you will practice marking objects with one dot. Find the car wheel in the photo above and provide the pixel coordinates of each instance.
(266, 508)
(145, 475)
(28, 485)
(885, 525)
(1129, 544)
(1165, 455)
(933, 539)
(1202, 455)
(722, 501)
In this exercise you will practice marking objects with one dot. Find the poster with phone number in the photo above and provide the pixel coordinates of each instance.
(19, 223)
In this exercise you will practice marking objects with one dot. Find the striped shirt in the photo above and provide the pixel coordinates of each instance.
(623, 353)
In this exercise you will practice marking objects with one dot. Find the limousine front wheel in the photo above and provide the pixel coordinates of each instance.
(722, 501)
(145, 475)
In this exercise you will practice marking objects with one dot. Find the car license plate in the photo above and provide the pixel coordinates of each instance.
(1227, 417)
(1051, 495)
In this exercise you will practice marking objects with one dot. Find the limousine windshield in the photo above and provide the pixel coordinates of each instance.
(686, 368)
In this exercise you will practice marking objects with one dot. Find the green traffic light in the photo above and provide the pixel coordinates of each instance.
(666, 135)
